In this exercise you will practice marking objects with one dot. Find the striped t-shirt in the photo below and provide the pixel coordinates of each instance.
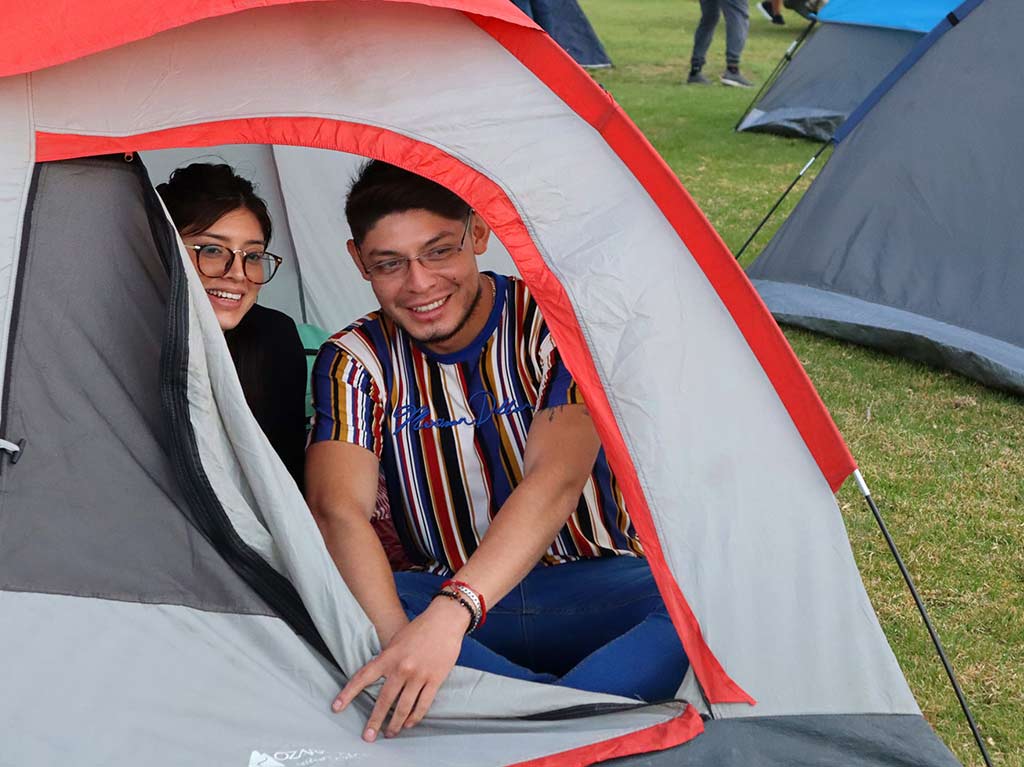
(450, 429)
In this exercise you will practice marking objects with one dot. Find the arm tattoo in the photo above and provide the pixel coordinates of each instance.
(553, 411)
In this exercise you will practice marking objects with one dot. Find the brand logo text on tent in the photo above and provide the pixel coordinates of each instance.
(300, 757)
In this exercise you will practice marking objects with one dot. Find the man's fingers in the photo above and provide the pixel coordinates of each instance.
(362, 679)
(423, 704)
(392, 687)
(403, 708)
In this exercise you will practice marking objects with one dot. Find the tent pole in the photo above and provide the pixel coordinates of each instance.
(862, 485)
(778, 202)
(786, 58)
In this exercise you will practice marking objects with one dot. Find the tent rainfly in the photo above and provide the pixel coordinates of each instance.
(909, 238)
(836, 62)
(165, 595)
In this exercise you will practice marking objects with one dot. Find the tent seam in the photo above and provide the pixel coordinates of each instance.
(126, 599)
(9, 327)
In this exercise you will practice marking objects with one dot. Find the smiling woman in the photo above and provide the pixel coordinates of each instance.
(226, 230)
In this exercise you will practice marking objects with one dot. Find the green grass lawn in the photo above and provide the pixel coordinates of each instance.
(944, 456)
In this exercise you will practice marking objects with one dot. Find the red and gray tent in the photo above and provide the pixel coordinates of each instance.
(910, 238)
(165, 596)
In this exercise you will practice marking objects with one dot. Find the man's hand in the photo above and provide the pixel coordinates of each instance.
(415, 662)
(419, 656)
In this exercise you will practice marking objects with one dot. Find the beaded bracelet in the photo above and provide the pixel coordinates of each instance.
(474, 616)
(471, 594)
(474, 600)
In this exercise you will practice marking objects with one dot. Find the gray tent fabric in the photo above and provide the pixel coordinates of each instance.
(164, 686)
(832, 72)
(84, 374)
(909, 239)
(784, 741)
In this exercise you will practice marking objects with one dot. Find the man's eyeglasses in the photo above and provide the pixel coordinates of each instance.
(436, 258)
(259, 267)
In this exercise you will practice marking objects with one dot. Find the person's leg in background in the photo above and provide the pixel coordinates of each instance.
(710, 10)
(737, 24)
(772, 10)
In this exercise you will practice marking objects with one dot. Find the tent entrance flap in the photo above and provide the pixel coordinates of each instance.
(83, 387)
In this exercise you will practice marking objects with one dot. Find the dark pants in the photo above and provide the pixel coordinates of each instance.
(597, 625)
(737, 23)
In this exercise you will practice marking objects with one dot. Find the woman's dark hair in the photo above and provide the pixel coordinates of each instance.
(199, 194)
(380, 189)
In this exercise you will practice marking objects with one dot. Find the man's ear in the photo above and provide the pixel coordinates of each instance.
(481, 234)
(354, 254)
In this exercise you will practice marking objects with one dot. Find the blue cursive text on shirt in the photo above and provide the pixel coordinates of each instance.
(483, 404)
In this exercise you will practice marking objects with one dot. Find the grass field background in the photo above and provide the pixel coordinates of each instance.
(944, 456)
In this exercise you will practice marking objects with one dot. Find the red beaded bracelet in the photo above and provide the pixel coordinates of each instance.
(471, 593)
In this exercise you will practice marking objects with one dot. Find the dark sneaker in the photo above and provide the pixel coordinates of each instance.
(734, 79)
(766, 10)
(697, 78)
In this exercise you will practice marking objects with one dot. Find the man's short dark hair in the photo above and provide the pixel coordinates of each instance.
(381, 189)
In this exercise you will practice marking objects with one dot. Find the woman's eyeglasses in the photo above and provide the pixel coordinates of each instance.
(216, 260)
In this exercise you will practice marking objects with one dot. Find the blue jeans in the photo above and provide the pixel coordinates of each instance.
(596, 624)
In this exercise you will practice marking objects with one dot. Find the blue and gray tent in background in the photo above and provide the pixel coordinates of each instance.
(910, 239)
(836, 62)
(568, 25)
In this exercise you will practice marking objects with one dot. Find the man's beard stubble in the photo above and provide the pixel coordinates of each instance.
(438, 338)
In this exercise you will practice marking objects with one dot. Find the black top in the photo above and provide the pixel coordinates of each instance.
(271, 365)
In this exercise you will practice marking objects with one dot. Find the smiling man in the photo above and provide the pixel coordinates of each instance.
(498, 485)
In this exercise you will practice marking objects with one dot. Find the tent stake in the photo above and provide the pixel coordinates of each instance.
(862, 485)
(778, 202)
(783, 62)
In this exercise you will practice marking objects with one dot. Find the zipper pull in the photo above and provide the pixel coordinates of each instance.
(13, 449)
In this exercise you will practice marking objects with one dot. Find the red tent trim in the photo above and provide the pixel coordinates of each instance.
(682, 729)
(490, 201)
(597, 107)
(39, 35)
